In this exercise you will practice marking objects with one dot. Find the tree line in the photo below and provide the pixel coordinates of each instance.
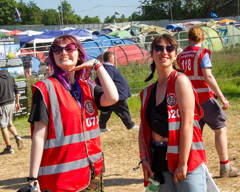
(31, 14)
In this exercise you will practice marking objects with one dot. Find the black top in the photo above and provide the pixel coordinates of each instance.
(39, 110)
(7, 88)
(118, 79)
(157, 113)
(27, 62)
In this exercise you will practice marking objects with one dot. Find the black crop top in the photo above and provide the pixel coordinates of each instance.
(157, 116)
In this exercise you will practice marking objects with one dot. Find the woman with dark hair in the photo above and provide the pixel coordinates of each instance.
(65, 153)
(170, 144)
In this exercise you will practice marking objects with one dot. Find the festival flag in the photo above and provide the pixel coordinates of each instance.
(213, 14)
(17, 15)
(116, 13)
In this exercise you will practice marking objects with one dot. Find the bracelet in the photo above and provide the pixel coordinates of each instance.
(32, 178)
(95, 63)
(142, 154)
(99, 64)
(140, 162)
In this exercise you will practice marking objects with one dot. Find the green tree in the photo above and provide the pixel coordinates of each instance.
(34, 14)
(7, 11)
(122, 19)
(50, 17)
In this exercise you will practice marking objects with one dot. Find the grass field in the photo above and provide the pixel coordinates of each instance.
(120, 146)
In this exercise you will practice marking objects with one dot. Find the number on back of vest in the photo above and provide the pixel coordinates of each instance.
(173, 114)
(92, 121)
(186, 64)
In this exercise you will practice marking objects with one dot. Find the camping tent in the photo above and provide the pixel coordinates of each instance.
(14, 32)
(232, 31)
(4, 31)
(127, 54)
(226, 21)
(97, 46)
(120, 34)
(212, 40)
(29, 33)
(175, 27)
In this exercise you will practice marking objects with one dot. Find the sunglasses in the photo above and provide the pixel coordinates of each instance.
(69, 48)
(160, 48)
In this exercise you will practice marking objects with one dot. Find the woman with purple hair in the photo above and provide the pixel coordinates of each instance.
(65, 152)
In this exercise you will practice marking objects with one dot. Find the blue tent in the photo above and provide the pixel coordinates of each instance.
(53, 34)
(175, 27)
(97, 46)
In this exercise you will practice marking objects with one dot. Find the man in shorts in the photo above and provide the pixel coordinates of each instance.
(196, 62)
(7, 89)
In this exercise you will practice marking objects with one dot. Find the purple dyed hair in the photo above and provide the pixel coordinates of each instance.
(58, 72)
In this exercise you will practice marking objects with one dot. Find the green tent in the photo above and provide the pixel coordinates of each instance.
(3, 34)
(212, 40)
(120, 34)
(231, 30)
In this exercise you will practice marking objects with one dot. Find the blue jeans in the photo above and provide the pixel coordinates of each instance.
(196, 181)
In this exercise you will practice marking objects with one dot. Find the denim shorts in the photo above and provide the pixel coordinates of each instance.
(196, 181)
(6, 115)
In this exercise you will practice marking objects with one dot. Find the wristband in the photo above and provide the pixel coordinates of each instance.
(142, 154)
(99, 64)
(32, 178)
(140, 162)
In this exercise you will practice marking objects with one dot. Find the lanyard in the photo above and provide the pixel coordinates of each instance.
(79, 93)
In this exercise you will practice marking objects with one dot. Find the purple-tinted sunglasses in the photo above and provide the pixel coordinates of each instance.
(69, 48)
(160, 48)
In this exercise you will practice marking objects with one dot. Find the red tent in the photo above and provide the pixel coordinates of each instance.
(14, 32)
(129, 54)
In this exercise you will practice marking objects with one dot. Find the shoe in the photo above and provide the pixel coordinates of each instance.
(134, 127)
(104, 129)
(19, 142)
(7, 151)
(226, 170)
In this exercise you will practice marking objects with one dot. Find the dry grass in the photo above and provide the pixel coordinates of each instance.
(120, 148)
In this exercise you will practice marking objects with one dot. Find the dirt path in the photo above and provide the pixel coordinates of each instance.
(120, 148)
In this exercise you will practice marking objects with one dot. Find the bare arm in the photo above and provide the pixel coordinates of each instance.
(186, 104)
(110, 93)
(38, 141)
(211, 81)
(147, 172)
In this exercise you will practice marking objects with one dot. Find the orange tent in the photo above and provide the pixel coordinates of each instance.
(226, 21)
(14, 32)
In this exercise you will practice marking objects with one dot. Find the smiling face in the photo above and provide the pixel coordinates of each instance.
(66, 60)
(164, 57)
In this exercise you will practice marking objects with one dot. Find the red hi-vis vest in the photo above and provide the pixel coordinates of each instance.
(190, 60)
(72, 148)
(197, 154)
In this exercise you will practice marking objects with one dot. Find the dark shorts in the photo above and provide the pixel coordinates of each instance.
(213, 116)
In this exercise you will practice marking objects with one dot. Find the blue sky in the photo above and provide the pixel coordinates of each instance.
(101, 8)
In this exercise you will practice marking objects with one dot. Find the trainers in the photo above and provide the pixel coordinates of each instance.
(7, 151)
(19, 142)
(134, 127)
(226, 170)
(104, 129)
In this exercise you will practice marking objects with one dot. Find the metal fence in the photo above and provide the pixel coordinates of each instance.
(137, 67)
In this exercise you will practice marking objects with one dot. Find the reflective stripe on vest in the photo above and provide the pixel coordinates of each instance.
(194, 146)
(60, 139)
(173, 126)
(196, 76)
(60, 168)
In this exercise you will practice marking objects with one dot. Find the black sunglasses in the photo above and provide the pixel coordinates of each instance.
(69, 48)
(160, 48)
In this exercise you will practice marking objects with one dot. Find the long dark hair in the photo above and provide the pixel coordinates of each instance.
(172, 41)
(58, 72)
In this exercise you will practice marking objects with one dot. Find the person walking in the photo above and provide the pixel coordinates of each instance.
(121, 107)
(7, 105)
(196, 62)
(27, 65)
